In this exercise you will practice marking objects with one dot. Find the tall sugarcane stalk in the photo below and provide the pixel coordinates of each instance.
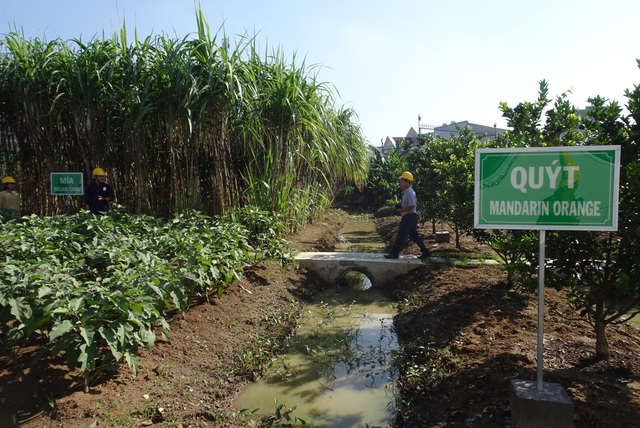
(178, 124)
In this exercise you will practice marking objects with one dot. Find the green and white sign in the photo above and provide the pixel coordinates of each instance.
(547, 188)
(67, 183)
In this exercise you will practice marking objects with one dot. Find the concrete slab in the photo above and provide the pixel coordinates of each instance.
(550, 407)
(332, 266)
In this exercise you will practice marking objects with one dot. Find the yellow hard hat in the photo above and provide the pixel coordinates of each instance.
(8, 179)
(407, 176)
(99, 171)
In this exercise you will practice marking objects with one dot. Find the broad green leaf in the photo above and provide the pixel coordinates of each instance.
(20, 309)
(10, 269)
(147, 337)
(155, 288)
(123, 332)
(133, 361)
(60, 329)
(76, 304)
(44, 291)
(87, 334)
(179, 299)
(88, 356)
(109, 335)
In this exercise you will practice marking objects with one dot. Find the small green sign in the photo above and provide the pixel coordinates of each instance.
(67, 183)
(547, 188)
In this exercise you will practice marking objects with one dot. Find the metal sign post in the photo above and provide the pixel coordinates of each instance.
(547, 188)
(540, 310)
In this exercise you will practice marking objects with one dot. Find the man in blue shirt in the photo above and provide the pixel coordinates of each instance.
(409, 222)
(98, 193)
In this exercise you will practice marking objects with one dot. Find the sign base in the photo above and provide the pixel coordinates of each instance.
(550, 407)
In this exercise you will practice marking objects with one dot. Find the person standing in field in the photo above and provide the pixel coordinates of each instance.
(409, 222)
(98, 193)
(9, 197)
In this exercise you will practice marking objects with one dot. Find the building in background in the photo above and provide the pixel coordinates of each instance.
(453, 129)
(445, 130)
(391, 143)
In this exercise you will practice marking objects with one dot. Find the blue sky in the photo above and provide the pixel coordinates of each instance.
(391, 61)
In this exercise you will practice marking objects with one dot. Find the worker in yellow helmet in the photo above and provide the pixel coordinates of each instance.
(9, 197)
(98, 193)
(409, 222)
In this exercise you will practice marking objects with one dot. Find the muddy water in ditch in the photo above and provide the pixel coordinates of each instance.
(359, 235)
(337, 370)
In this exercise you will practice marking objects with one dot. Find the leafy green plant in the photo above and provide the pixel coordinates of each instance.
(99, 287)
(281, 417)
(422, 367)
(265, 235)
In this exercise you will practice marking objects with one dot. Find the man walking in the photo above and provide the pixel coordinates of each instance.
(409, 222)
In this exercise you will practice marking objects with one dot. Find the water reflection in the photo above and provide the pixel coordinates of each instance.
(338, 370)
(356, 281)
(359, 235)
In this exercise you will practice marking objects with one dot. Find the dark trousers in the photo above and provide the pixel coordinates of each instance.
(408, 227)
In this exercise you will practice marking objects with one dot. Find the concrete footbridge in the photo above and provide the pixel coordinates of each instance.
(333, 266)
